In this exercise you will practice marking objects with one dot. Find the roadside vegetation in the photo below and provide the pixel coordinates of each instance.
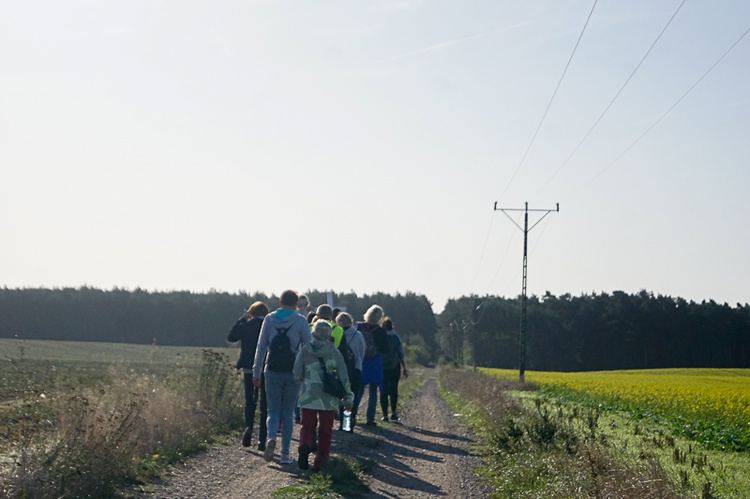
(539, 442)
(708, 406)
(74, 427)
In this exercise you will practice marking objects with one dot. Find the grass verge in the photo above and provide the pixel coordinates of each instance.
(343, 476)
(695, 470)
(539, 450)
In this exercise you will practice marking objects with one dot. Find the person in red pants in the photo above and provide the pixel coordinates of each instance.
(318, 407)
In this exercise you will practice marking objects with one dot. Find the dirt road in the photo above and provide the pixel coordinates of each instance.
(425, 455)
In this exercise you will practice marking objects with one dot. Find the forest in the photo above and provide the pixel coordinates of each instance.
(566, 333)
(596, 332)
(183, 318)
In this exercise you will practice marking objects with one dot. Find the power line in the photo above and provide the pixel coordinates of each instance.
(502, 260)
(672, 106)
(525, 229)
(614, 98)
(549, 104)
(484, 248)
(533, 138)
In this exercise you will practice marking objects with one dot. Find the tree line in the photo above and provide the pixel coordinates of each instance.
(184, 318)
(596, 332)
(566, 333)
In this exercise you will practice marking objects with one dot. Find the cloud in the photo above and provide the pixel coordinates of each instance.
(443, 45)
(398, 5)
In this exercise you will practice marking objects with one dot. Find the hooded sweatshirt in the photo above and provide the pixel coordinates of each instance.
(281, 318)
(308, 371)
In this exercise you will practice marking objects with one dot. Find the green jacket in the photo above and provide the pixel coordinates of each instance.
(308, 372)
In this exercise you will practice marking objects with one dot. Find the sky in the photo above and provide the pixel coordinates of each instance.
(247, 146)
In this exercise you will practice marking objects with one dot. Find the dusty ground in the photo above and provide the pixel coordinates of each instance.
(426, 454)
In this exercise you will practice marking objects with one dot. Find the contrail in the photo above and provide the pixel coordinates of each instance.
(443, 45)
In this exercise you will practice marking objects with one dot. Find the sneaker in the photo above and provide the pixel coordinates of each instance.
(261, 445)
(384, 418)
(285, 459)
(370, 422)
(247, 437)
(304, 453)
(394, 416)
(270, 447)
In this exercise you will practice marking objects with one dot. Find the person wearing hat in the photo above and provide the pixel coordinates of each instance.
(318, 407)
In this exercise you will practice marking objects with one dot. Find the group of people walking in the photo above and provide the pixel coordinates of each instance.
(288, 354)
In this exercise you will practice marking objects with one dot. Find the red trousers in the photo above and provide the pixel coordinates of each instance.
(325, 432)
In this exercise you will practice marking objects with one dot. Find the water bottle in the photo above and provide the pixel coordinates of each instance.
(347, 422)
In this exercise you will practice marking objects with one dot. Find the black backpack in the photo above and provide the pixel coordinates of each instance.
(349, 358)
(391, 359)
(366, 330)
(280, 355)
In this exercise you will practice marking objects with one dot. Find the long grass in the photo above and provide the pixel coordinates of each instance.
(541, 450)
(87, 436)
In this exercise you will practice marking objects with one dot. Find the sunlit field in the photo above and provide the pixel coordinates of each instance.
(82, 419)
(710, 406)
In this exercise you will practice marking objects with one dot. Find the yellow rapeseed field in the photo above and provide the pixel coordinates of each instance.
(705, 397)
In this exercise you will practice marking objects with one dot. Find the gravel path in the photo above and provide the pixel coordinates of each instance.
(425, 455)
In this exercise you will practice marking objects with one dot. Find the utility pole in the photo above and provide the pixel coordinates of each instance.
(526, 229)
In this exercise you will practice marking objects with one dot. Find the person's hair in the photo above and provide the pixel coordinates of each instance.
(258, 309)
(387, 323)
(374, 314)
(324, 312)
(321, 330)
(289, 298)
(310, 317)
(344, 320)
(302, 301)
(336, 312)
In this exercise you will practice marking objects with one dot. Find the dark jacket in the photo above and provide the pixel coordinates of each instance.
(379, 336)
(372, 367)
(246, 331)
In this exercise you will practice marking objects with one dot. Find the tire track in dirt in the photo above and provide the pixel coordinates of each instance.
(428, 455)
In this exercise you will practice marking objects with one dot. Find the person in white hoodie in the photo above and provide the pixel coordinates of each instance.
(282, 335)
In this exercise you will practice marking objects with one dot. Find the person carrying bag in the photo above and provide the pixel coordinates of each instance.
(317, 361)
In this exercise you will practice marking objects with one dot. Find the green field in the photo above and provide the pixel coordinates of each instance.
(28, 363)
(99, 353)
